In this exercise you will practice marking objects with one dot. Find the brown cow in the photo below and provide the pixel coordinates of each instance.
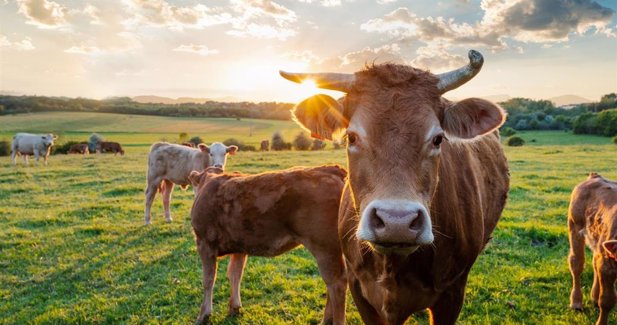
(265, 145)
(81, 148)
(428, 180)
(592, 218)
(106, 146)
(170, 164)
(188, 144)
(266, 215)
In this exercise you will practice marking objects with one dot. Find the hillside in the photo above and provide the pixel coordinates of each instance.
(569, 100)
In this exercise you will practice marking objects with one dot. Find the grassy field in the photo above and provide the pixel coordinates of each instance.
(73, 248)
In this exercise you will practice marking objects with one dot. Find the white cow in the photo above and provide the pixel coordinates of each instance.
(32, 144)
(170, 164)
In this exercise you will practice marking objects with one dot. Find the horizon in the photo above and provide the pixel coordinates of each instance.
(235, 48)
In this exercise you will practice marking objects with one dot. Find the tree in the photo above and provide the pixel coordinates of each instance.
(196, 140)
(606, 122)
(278, 143)
(302, 142)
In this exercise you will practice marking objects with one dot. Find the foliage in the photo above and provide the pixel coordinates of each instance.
(318, 145)
(63, 148)
(302, 142)
(5, 148)
(94, 140)
(183, 137)
(615, 139)
(278, 143)
(507, 131)
(603, 123)
(196, 140)
(515, 141)
(240, 144)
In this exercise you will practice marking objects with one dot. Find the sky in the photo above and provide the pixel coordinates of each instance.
(233, 49)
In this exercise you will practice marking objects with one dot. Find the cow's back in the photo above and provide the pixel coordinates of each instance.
(174, 162)
(25, 143)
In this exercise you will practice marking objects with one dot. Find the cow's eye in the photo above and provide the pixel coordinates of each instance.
(352, 138)
(437, 140)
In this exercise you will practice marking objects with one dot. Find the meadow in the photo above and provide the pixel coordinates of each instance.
(73, 248)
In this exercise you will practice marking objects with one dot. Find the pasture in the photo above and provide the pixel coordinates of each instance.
(73, 248)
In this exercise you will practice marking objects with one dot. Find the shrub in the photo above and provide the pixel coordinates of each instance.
(5, 148)
(607, 122)
(278, 143)
(515, 141)
(241, 145)
(615, 139)
(508, 131)
(196, 140)
(93, 141)
(64, 148)
(302, 142)
(182, 137)
(318, 145)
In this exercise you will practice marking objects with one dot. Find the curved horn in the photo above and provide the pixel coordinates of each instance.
(454, 79)
(333, 81)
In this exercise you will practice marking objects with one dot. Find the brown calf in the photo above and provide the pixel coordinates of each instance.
(114, 147)
(592, 218)
(81, 148)
(267, 215)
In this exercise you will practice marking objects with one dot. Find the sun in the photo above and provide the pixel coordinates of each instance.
(308, 88)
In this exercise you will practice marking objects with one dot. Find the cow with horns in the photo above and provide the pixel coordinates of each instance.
(427, 183)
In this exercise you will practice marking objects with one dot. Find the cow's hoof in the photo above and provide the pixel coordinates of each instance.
(234, 311)
(205, 320)
(577, 306)
(168, 220)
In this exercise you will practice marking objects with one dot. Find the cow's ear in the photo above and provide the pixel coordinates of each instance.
(232, 149)
(472, 117)
(194, 177)
(610, 246)
(321, 115)
(203, 147)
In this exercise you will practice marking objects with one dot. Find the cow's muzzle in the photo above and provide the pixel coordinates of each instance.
(395, 226)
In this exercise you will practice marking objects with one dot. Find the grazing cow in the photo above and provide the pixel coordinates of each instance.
(170, 164)
(32, 144)
(592, 218)
(428, 180)
(107, 146)
(266, 215)
(188, 144)
(265, 145)
(81, 148)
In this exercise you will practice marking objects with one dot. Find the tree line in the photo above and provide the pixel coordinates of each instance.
(125, 105)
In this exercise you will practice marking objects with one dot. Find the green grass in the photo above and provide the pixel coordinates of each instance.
(73, 248)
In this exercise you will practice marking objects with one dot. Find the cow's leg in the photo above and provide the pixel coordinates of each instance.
(576, 260)
(595, 288)
(151, 188)
(45, 159)
(36, 156)
(13, 155)
(25, 157)
(234, 274)
(208, 263)
(608, 297)
(168, 187)
(447, 308)
(332, 271)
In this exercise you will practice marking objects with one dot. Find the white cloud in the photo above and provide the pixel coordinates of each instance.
(196, 49)
(94, 13)
(23, 45)
(383, 2)
(43, 13)
(436, 57)
(160, 13)
(83, 49)
(387, 53)
(262, 19)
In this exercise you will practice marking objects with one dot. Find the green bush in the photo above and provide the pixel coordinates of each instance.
(302, 142)
(5, 148)
(63, 148)
(515, 141)
(240, 144)
(615, 139)
(196, 140)
(606, 122)
(507, 131)
(278, 143)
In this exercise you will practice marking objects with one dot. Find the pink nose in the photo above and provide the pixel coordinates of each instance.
(392, 226)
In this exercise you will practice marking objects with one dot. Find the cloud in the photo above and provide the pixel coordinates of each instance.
(383, 2)
(196, 49)
(23, 45)
(83, 49)
(160, 13)
(436, 57)
(94, 13)
(43, 13)
(262, 19)
(387, 53)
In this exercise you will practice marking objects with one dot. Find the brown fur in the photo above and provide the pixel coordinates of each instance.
(265, 145)
(188, 144)
(266, 215)
(592, 218)
(81, 148)
(465, 187)
(114, 147)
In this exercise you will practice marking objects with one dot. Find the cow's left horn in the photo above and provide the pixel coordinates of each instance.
(333, 81)
(454, 79)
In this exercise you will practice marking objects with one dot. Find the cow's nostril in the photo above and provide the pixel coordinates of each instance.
(218, 166)
(376, 221)
(417, 223)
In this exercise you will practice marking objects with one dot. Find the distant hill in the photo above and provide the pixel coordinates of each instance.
(496, 98)
(568, 100)
(180, 100)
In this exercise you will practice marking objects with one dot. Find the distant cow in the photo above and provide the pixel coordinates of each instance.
(265, 145)
(592, 218)
(32, 144)
(81, 148)
(266, 215)
(106, 146)
(188, 144)
(170, 164)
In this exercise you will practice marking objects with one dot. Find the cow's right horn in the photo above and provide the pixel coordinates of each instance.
(333, 81)
(454, 79)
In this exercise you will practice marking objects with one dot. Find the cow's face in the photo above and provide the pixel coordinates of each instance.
(218, 153)
(48, 140)
(396, 125)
